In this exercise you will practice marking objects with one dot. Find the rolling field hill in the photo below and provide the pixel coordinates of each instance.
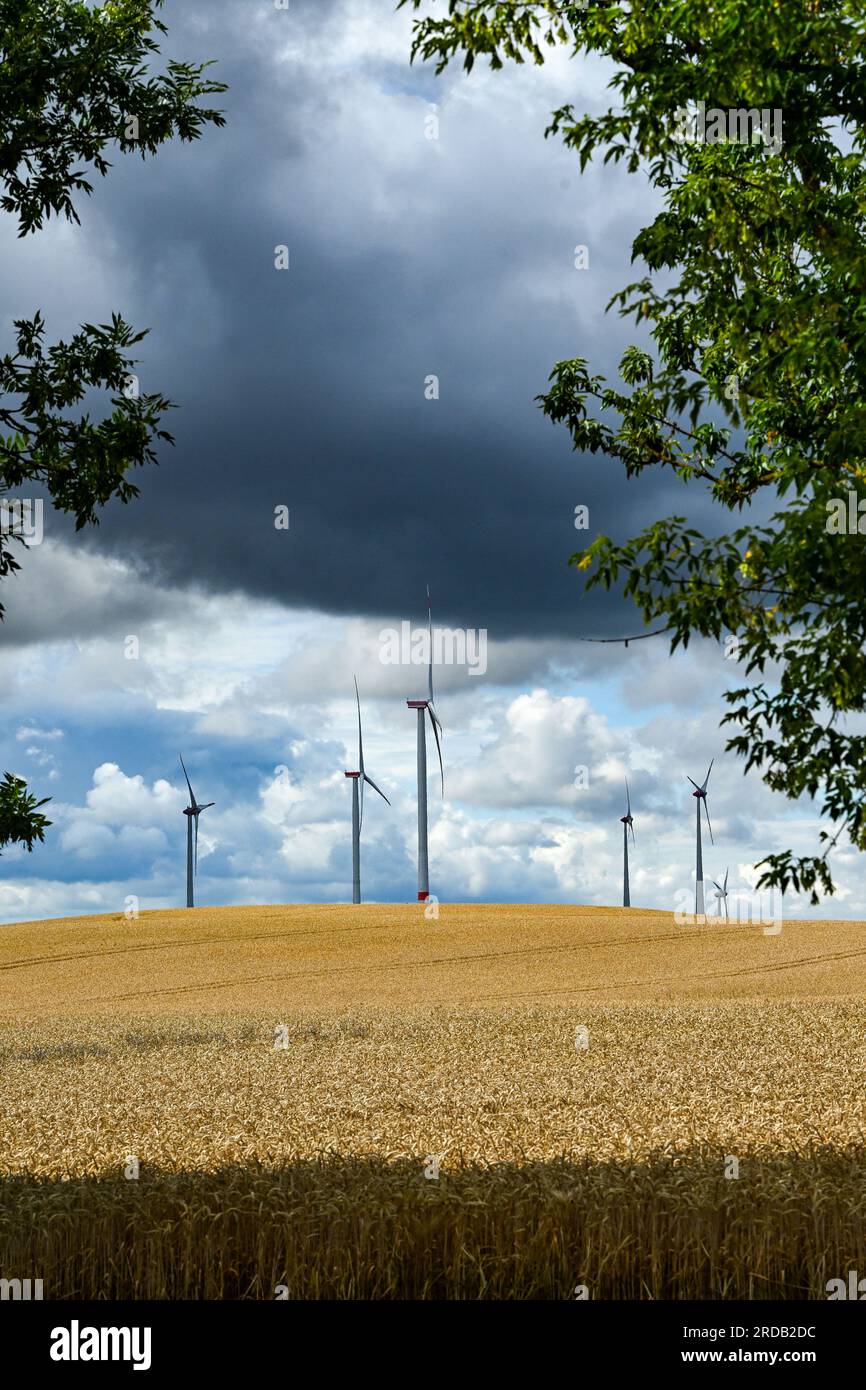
(506, 1102)
(326, 958)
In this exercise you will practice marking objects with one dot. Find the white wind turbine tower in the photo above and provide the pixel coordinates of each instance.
(192, 813)
(700, 792)
(627, 825)
(358, 780)
(722, 896)
(421, 706)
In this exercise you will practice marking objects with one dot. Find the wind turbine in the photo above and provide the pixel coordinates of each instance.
(627, 825)
(722, 895)
(358, 780)
(193, 811)
(700, 792)
(421, 706)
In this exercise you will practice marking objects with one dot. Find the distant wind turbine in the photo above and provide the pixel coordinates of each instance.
(627, 825)
(358, 780)
(722, 895)
(192, 812)
(700, 792)
(421, 706)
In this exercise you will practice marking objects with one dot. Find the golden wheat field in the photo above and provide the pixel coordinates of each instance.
(506, 1102)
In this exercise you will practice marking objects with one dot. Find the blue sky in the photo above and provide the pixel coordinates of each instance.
(260, 702)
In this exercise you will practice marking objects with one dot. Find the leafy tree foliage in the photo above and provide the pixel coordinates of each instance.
(76, 82)
(21, 821)
(751, 381)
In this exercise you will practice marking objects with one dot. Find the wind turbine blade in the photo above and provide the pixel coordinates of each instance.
(191, 793)
(694, 783)
(707, 813)
(195, 852)
(360, 738)
(707, 778)
(716, 885)
(206, 804)
(627, 798)
(436, 727)
(430, 640)
(434, 720)
(726, 880)
(375, 788)
(360, 760)
(631, 828)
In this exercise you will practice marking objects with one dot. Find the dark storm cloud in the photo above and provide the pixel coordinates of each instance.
(408, 258)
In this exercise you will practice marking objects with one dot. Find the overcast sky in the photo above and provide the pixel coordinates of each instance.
(410, 257)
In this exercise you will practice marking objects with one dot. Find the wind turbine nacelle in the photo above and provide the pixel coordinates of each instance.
(417, 704)
(352, 774)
